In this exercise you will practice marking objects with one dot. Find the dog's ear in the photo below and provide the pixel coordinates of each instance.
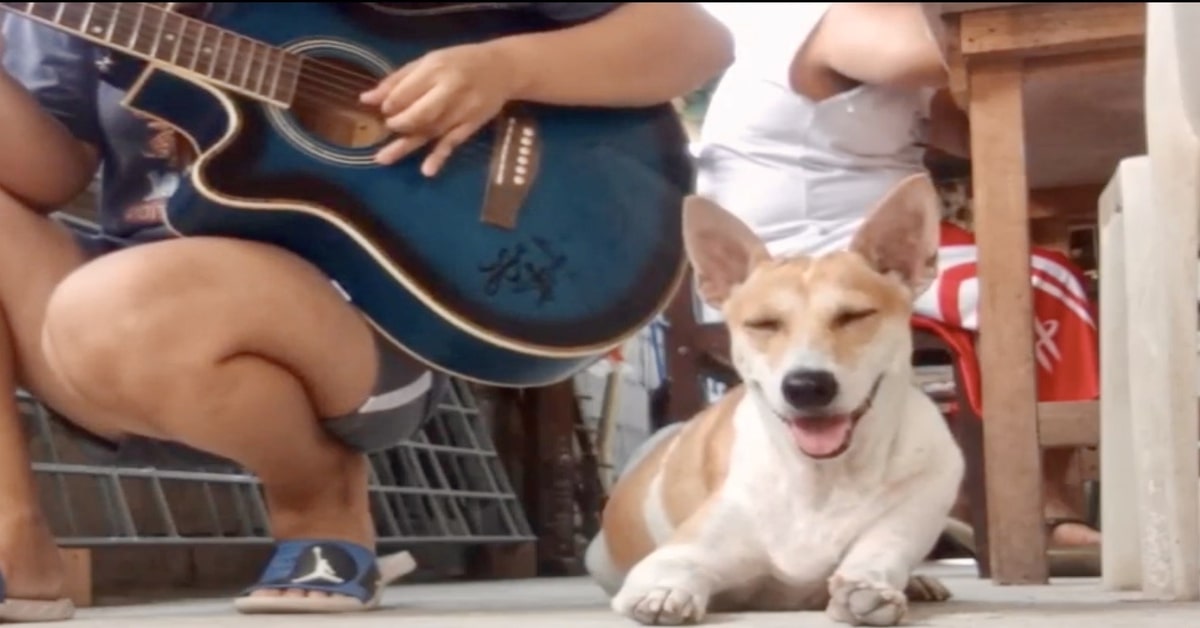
(721, 248)
(901, 235)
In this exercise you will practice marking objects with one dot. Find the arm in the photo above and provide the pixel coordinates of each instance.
(949, 130)
(47, 92)
(878, 44)
(637, 54)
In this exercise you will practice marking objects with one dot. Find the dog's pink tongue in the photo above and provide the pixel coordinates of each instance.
(822, 437)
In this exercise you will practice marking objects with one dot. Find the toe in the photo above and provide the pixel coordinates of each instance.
(926, 589)
(1073, 534)
(875, 607)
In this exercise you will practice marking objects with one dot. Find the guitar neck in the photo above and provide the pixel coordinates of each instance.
(182, 44)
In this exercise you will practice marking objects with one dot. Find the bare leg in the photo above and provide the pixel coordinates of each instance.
(1055, 467)
(230, 347)
(35, 255)
(1056, 464)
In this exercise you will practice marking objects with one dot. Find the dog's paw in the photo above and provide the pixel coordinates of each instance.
(860, 603)
(661, 606)
(926, 589)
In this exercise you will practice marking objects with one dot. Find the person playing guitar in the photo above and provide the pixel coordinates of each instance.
(239, 348)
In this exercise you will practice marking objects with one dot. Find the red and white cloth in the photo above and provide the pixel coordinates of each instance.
(1065, 339)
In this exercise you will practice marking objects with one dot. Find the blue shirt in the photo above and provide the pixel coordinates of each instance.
(136, 174)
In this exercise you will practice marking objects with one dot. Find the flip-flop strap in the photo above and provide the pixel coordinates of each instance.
(336, 567)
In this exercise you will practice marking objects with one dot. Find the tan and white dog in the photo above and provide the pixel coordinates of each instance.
(824, 479)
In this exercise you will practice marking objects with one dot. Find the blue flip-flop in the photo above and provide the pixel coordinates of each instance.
(349, 573)
(20, 610)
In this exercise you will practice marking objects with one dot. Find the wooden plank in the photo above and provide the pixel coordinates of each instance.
(1069, 424)
(549, 415)
(77, 565)
(1011, 448)
(1109, 61)
(1052, 29)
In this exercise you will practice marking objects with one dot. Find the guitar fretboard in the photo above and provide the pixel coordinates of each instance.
(153, 33)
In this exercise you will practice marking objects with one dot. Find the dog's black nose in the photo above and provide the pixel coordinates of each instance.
(809, 389)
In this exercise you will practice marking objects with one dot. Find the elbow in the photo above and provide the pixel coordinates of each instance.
(700, 51)
(709, 52)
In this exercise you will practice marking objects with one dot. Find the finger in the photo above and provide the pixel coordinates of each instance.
(376, 95)
(431, 115)
(440, 154)
(399, 149)
(408, 90)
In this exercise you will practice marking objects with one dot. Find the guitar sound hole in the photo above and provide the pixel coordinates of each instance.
(328, 108)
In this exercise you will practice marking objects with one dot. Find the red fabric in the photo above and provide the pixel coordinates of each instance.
(1066, 342)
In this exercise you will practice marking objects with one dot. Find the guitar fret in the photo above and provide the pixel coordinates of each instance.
(193, 43)
(113, 18)
(263, 64)
(158, 35)
(216, 54)
(231, 58)
(86, 23)
(203, 49)
(137, 27)
(69, 18)
(173, 35)
(247, 64)
(274, 93)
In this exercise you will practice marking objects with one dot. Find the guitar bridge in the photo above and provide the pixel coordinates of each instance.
(516, 153)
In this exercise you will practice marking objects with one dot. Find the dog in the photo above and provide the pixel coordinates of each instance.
(827, 476)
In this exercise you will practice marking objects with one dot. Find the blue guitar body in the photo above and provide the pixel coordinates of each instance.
(594, 253)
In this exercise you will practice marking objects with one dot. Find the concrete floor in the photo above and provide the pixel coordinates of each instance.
(576, 602)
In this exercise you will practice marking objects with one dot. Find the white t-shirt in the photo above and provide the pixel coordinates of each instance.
(801, 174)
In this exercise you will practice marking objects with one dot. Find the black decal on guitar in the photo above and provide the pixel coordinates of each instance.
(524, 269)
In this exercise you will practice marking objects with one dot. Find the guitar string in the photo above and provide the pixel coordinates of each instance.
(346, 82)
(308, 88)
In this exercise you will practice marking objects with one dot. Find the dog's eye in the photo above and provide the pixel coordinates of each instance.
(848, 316)
(765, 323)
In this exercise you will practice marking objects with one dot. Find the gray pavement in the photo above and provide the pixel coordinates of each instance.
(575, 602)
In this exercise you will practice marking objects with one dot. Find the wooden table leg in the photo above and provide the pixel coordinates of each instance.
(1012, 452)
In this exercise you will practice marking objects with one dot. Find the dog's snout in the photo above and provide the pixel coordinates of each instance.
(809, 388)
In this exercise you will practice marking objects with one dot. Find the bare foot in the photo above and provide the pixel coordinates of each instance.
(29, 559)
(1072, 534)
(1064, 525)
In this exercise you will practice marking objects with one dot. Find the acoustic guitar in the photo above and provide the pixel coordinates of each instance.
(547, 239)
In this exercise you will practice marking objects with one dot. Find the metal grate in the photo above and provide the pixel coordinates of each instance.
(445, 486)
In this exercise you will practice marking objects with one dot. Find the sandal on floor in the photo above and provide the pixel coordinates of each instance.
(1081, 561)
(1072, 561)
(17, 610)
(347, 573)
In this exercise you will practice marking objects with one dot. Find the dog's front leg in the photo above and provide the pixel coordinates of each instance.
(868, 588)
(711, 552)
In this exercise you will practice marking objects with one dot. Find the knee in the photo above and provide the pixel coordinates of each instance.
(106, 336)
